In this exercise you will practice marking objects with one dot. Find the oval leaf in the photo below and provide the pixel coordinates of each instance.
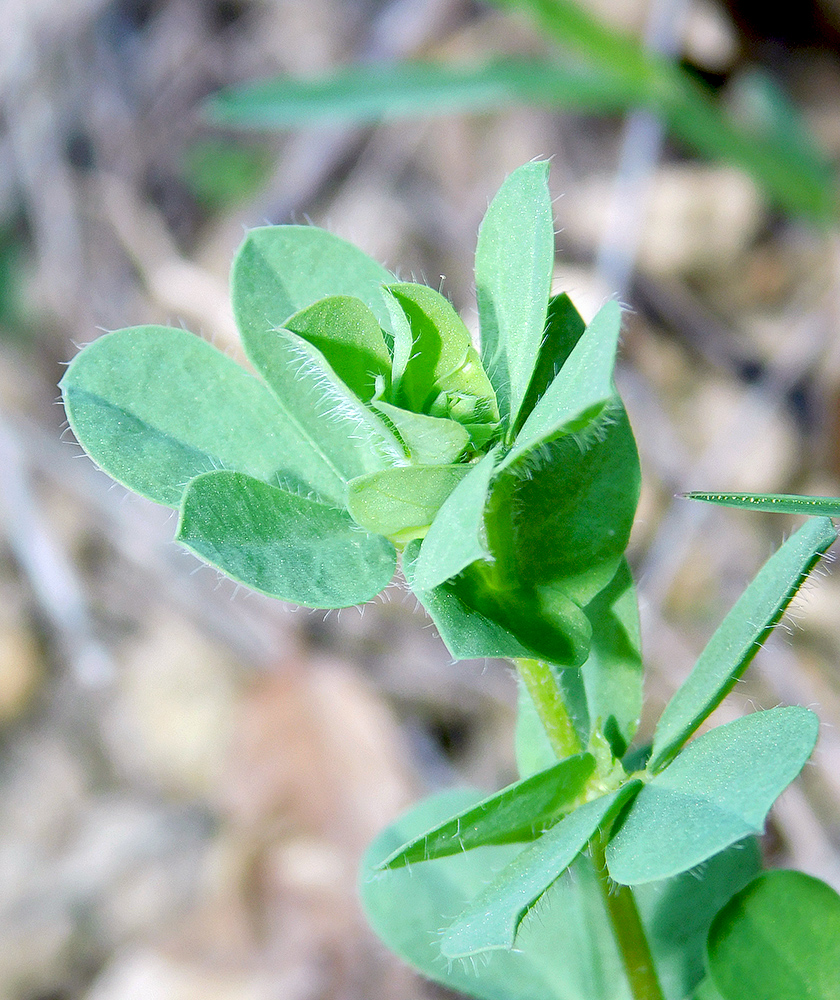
(282, 544)
(406, 499)
(156, 406)
(717, 791)
(778, 938)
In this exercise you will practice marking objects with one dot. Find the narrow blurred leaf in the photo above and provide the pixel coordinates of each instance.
(689, 108)
(348, 335)
(778, 938)
(443, 375)
(280, 270)
(581, 389)
(518, 812)
(455, 537)
(345, 434)
(491, 920)
(397, 500)
(717, 791)
(155, 407)
(364, 94)
(563, 329)
(430, 440)
(514, 264)
(282, 544)
(779, 503)
(739, 637)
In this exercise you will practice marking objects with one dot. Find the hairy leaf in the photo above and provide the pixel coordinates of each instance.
(282, 544)
(717, 791)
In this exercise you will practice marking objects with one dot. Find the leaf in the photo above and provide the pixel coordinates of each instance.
(491, 920)
(282, 544)
(612, 675)
(780, 503)
(280, 270)
(717, 791)
(581, 389)
(345, 434)
(560, 521)
(394, 90)
(429, 440)
(778, 939)
(688, 107)
(514, 264)
(443, 376)
(563, 329)
(155, 407)
(566, 951)
(455, 538)
(347, 334)
(739, 637)
(518, 812)
(393, 501)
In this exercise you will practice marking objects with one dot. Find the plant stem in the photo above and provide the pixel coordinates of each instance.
(547, 697)
(627, 927)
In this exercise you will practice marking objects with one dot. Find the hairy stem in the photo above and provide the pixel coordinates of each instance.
(627, 928)
(547, 697)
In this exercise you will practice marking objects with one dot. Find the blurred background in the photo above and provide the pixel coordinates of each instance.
(189, 773)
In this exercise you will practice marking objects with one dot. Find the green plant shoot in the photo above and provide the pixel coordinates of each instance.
(779, 503)
(502, 480)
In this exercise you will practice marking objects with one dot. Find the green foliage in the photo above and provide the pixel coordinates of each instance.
(505, 481)
(778, 938)
(599, 70)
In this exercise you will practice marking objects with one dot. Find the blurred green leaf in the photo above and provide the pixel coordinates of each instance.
(220, 172)
(282, 544)
(716, 792)
(778, 939)
(736, 641)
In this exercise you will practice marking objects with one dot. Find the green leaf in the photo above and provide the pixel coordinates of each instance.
(778, 939)
(779, 503)
(347, 334)
(567, 950)
(345, 434)
(519, 812)
(406, 499)
(443, 375)
(429, 440)
(560, 521)
(581, 389)
(563, 329)
(282, 544)
(466, 631)
(280, 270)
(155, 407)
(739, 637)
(455, 538)
(613, 674)
(394, 90)
(491, 920)
(689, 108)
(717, 791)
(514, 264)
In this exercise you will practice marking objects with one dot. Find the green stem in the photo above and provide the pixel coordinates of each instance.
(627, 927)
(542, 686)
